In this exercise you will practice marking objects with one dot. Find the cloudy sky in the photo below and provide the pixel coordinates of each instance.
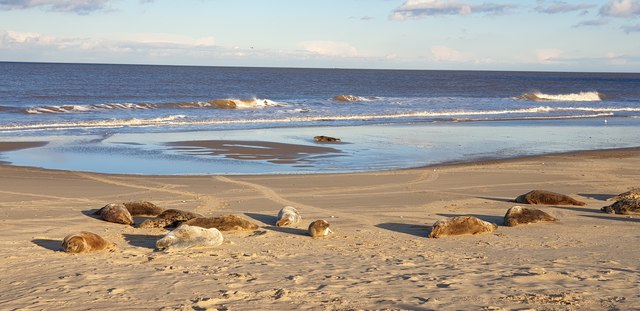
(544, 35)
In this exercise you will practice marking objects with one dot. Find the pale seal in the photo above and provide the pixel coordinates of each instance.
(624, 207)
(519, 215)
(186, 236)
(223, 223)
(319, 228)
(326, 139)
(461, 225)
(115, 212)
(547, 198)
(288, 216)
(143, 208)
(169, 218)
(85, 241)
(633, 193)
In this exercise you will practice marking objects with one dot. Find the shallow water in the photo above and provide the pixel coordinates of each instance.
(363, 148)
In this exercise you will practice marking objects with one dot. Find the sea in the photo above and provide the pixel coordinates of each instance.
(137, 119)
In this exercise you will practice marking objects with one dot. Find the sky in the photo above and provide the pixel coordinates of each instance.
(537, 35)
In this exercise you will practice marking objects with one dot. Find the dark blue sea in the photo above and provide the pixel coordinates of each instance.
(386, 119)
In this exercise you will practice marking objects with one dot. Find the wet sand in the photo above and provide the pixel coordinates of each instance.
(379, 256)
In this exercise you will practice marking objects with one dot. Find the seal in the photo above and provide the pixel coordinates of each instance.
(84, 241)
(546, 198)
(633, 193)
(461, 225)
(519, 215)
(169, 218)
(326, 139)
(288, 216)
(623, 207)
(143, 208)
(115, 212)
(223, 223)
(186, 236)
(319, 228)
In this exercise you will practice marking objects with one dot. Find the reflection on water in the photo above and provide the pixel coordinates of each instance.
(293, 150)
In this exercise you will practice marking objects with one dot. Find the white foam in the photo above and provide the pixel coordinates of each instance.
(575, 97)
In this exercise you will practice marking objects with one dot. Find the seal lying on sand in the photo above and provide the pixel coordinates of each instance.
(85, 241)
(546, 198)
(461, 225)
(169, 218)
(519, 215)
(319, 228)
(326, 139)
(115, 212)
(223, 223)
(143, 208)
(633, 193)
(288, 216)
(187, 236)
(624, 207)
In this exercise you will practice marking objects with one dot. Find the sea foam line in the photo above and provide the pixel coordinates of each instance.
(574, 97)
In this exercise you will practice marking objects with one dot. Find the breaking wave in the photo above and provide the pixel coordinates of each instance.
(229, 103)
(351, 98)
(572, 97)
(533, 113)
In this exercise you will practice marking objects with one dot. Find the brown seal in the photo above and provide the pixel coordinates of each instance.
(519, 215)
(461, 225)
(326, 139)
(169, 218)
(115, 212)
(624, 207)
(223, 223)
(85, 241)
(319, 228)
(547, 198)
(143, 208)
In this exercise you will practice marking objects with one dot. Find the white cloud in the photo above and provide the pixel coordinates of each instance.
(621, 8)
(547, 56)
(562, 7)
(422, 8)
(76, 6)
(330, 48)
(442, 53)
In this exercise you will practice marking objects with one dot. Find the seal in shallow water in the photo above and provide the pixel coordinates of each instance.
(519, 215)
(115, 212)
(319, 228)
(223, 223)
(326, 139)
(186, 236)
(85, 241)
(288, 216)
(461, 225)
(547, 198)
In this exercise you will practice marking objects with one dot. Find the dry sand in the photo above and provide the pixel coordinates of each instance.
(378, 258)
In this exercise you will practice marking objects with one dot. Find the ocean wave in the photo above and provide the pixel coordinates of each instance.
(532, 113)
(350, 98)
(571, 97)
(228, 103)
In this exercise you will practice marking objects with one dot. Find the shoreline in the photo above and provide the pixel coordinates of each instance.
(379, 256)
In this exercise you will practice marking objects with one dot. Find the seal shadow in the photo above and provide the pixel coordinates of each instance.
(263, 218)
(91, 213)
(578, 209)
(52, 245)
(415, 230)
(498, 199)
(498, 220)
(289, 230)
(596, 196)
(142, 240)
(618, 218)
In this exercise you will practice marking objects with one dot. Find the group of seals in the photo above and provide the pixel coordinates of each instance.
(625, 203)
(289, 216)
(123, 213)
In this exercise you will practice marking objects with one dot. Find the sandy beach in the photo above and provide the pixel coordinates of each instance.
(379, 256)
